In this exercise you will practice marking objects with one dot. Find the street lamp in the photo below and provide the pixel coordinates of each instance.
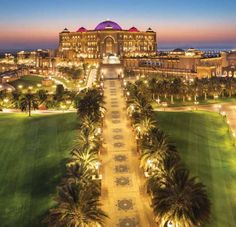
(164, 104)
(20, 86)
(169, 224)
(158, 101)
(196, 104)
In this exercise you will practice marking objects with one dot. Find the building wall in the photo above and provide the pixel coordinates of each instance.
(95, 44)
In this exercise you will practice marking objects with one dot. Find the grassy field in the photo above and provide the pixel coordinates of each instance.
(206, 148)
(33, 153)
(27, 81)
(178, 103)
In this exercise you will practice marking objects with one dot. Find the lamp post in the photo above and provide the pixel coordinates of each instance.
(196, 104)
(164, 104)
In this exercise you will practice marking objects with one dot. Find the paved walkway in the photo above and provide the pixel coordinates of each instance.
(123, 194)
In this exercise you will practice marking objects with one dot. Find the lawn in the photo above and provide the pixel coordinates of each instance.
(33, 152)
(206, 148)
(27, 81)
(178, 103)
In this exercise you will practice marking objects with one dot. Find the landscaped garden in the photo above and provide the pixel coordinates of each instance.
(33, 153)
(27, 81)
(206, 148)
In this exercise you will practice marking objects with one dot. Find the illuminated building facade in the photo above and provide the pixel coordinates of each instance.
(108, 38)
(189, 63)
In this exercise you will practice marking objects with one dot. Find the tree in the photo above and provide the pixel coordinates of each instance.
(28, 101)
(59, 92)
(90, 104)
(144, 126)
(81, 175)
(76, 207)
(155, 148)
(182, 201)
(42, 96)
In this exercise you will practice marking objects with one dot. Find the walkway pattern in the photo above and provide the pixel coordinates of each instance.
(123, 194)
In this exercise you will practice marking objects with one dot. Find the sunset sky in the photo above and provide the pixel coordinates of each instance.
(178, 23)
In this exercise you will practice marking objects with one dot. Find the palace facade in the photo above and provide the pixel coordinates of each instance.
(107, 38)
(130, 49)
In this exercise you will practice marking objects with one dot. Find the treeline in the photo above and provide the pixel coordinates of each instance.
(177, 198)
(77, 200)
(173, 89)
(61, 99)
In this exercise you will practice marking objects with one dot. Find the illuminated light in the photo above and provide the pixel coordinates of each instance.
(169, 224)
(6, 100)
(97, 165)
(20, 86)
(228, 122)
(234, 135)
(128, 94)
(216, 96)
(196, 103)
(158, 100)
(30, 87)
(125, 83)
(164, 104)
(39, 85)
(1, 86)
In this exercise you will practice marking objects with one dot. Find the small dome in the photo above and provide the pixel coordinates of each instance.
(65, 31)
(108, 25)
(178, 50)
(133, 29)
(82, 29)
(149, 30)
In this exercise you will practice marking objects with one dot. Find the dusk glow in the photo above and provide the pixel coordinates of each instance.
(27, 24)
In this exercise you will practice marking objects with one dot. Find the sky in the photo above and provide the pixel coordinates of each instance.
(31, 24)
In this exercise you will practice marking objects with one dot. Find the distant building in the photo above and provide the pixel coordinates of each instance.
(132, 49)
(108, 38)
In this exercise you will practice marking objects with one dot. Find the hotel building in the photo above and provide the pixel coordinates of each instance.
(107, 38)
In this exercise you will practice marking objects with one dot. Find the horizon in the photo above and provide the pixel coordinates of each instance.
(204, 25)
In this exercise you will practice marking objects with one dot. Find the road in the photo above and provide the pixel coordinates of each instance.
(91, 78)
(123, 195)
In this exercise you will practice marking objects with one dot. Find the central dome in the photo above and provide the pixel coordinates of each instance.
(108, 25)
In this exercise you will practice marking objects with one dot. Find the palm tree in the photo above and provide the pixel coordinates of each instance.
(80, 174)
(88, 139)
(85, 156)
(160, 176)
(144, 126)
(143, 107)
(91, 104)
(27, 102)
(182, 201)
(76, 207)
(155, 148)
(42, 95)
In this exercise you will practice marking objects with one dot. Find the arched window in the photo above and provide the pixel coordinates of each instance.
(109, 45)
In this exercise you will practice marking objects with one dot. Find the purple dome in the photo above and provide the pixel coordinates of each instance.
(108, 25)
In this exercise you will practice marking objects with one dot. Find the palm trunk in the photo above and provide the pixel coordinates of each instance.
(29, 108)
(172, 99)
(205, 95)
(183, 98)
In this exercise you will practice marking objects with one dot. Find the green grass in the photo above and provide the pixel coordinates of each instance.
(33, 153)
(27, 81)
(206, 148)
(179, 103)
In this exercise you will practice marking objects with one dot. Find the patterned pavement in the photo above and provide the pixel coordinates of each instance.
(123, 196)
